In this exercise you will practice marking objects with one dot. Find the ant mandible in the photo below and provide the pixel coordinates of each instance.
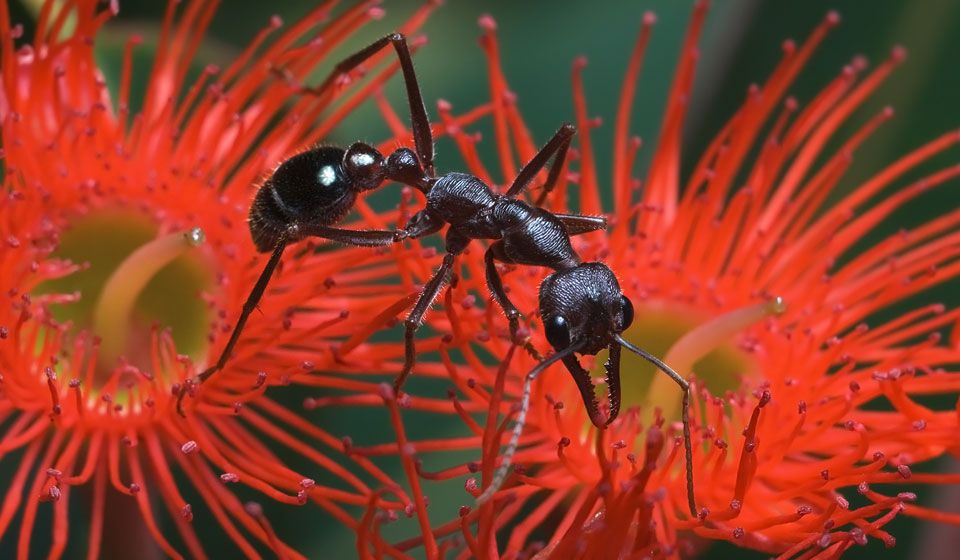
(585, 311)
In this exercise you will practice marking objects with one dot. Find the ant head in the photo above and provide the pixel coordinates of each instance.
(364, 166)
(584, 306)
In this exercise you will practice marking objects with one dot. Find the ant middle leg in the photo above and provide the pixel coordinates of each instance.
(455, 245)
(496, 253)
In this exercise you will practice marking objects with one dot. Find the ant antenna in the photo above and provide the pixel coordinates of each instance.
(685, 415)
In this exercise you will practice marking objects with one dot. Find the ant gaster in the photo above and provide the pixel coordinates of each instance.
(315, 189)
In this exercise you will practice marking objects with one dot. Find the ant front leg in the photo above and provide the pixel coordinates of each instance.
(496, 253)
(455, 245)
(248, 306)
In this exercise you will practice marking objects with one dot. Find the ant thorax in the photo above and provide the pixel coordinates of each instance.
(461, 200)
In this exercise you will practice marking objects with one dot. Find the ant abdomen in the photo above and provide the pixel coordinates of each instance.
(308, 187)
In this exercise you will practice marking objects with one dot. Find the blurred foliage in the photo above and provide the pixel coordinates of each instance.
(539, 40)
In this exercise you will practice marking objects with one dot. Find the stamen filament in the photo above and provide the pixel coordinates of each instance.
(111, 318)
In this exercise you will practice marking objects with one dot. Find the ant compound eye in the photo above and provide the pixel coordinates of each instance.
(558, 332)
(364, 166)
(626, 307)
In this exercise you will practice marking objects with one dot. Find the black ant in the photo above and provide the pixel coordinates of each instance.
(582, 305)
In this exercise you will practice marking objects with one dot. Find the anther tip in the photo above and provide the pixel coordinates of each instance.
(777, 306)
(195, 236)
(487, 23)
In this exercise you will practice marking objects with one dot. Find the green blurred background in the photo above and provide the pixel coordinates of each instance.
(539, 40)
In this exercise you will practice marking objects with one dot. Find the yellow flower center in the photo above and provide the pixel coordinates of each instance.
(135, 278)
(690, 343)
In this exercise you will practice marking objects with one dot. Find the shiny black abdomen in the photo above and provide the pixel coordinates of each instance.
(310, 187)
(464, 202)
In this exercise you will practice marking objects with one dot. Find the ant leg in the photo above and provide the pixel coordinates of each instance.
(360, 238)
(420, 225)
(248, 306)
(687, 439)
(412, 323)
(558, 145)
(495, 252)
(555, 170)
(422, 135)
(456, 243)
(576, 224)
(518, 423)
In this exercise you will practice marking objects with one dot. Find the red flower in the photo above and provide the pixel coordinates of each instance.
(86, 388)
(788, 439)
